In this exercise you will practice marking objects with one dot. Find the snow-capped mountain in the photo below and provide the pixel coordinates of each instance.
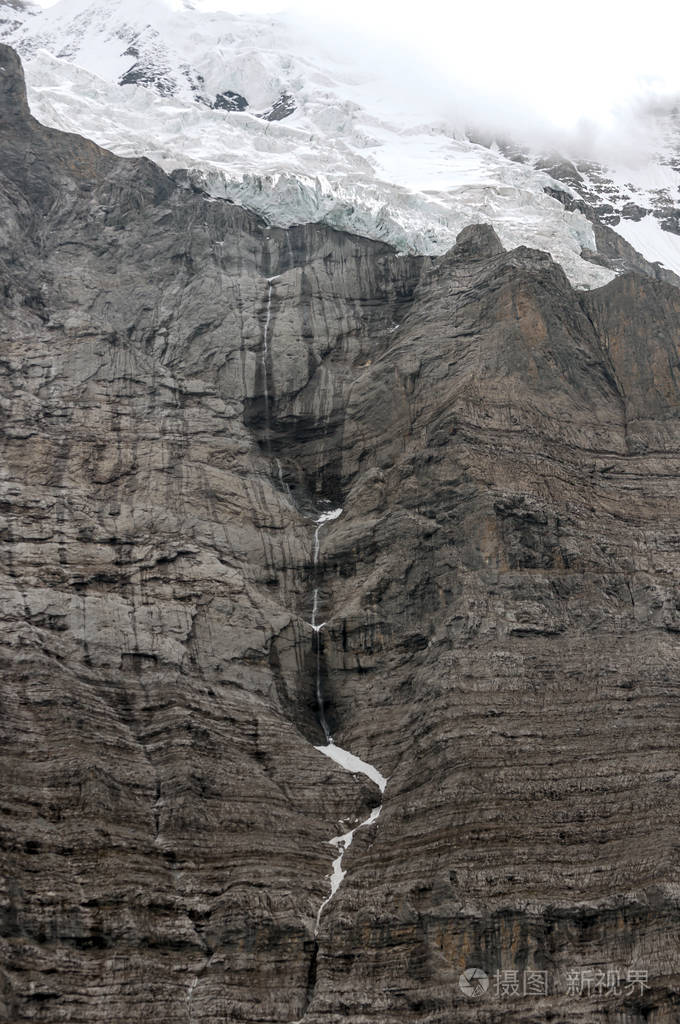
(641, 202)
(261, 113)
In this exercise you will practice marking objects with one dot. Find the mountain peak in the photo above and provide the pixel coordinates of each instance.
(477, 242)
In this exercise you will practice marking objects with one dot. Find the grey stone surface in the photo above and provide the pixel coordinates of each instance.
(181, 388)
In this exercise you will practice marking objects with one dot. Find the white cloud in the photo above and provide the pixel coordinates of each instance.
(575, 74)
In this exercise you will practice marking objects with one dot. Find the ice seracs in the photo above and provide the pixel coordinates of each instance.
(353, 152)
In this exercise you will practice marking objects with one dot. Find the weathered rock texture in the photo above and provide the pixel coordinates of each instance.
(502, 596)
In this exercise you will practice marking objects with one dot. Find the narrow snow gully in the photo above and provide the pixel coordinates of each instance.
(350, 762)
(342, 843)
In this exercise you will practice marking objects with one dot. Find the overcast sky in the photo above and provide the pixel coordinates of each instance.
(582, 67)
(575, 67)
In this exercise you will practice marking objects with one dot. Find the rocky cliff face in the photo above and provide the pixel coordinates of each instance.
(184, 391)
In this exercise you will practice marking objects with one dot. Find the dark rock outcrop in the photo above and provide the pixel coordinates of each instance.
(180, 387)
(476, 242)
(281, 108)
(229, 100)
(669, 217)
(632, 211)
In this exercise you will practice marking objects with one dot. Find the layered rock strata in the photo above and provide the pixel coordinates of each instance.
(182, 389)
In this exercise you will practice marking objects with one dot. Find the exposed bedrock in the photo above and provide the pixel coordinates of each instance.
(182, 390)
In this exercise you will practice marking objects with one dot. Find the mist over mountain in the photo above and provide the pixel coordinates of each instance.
(321, 121)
